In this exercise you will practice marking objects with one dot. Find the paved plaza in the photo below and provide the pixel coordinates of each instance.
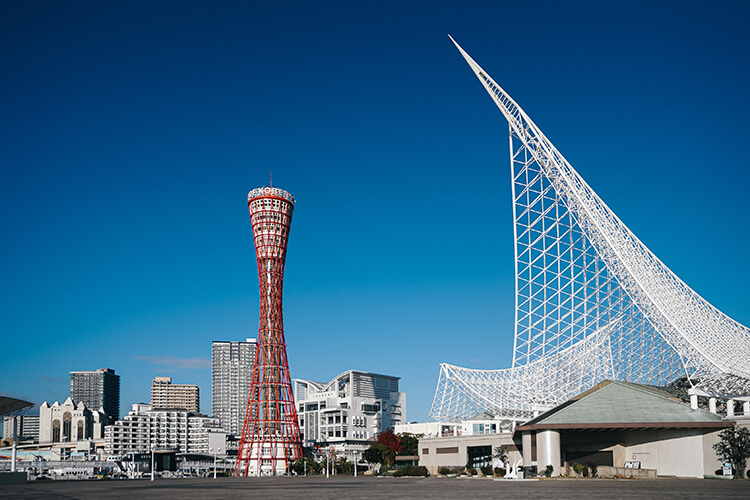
(342, 487)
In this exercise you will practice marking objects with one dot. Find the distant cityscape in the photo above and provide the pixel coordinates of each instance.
(343, 414)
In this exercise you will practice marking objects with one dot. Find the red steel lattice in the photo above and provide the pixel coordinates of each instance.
(270, 439)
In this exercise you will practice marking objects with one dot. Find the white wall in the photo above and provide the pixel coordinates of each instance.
(672, 452)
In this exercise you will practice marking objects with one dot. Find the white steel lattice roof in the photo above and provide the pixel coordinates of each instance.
(592, 302)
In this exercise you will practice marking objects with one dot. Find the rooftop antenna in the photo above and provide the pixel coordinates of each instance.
(271, 174)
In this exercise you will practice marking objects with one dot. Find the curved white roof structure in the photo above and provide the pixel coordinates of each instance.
(592, 302)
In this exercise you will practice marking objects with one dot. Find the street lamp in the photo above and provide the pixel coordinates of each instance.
(218, 450)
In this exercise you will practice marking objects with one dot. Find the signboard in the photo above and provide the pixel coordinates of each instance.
(727, 469)
(633, 465)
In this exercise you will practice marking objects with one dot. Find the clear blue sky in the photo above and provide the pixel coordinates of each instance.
(131, 132)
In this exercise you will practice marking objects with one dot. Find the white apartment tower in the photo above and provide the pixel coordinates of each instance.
(231, 372)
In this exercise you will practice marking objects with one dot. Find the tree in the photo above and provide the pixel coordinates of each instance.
(501, 454)
(343, 466)
(379, 454)
(734, 447)
(409, 443)
(391, 440)
(306, 465)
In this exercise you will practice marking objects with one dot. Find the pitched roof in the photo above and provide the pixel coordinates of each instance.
(615, 404)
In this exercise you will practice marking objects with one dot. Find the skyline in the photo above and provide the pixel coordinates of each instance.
(150, 123)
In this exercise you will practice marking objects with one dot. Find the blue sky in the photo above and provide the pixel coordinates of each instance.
(131, 133)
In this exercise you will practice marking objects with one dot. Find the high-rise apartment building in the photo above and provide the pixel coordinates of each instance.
(165, 394)
(97, 389)
(231, 372)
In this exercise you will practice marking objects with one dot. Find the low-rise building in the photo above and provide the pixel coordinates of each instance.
(622, 425)
(624, 428)
(165, 429)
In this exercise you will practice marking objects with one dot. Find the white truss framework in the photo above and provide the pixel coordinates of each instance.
(592, 302)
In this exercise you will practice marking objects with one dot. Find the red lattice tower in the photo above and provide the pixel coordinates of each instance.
(270, 439)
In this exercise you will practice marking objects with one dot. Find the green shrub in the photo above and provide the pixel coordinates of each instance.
(471, 471)
(403, 471)
(411, 470)
(499, 472)
(450, 470)
(548, 470)
(585, 471)
(487, 470)
(577, 468)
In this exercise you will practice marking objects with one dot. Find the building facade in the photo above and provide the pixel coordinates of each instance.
(97, 389)
(618, 424)
(626, 429)
(231, 371)
(165, 394)
(347, 412)
(27, 430)
(69, 422)
(165, 429)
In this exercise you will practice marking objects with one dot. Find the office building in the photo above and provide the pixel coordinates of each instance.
(97, 389)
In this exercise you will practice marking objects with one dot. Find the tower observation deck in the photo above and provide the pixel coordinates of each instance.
(270, 439)
(592, 302)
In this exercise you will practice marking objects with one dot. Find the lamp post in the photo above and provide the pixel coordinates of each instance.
(214, 452)
(355, 464)
(153, 449)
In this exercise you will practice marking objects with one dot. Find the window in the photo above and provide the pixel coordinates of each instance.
(56, 430)
(479, 456)
(67, 417)
(452, 449)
